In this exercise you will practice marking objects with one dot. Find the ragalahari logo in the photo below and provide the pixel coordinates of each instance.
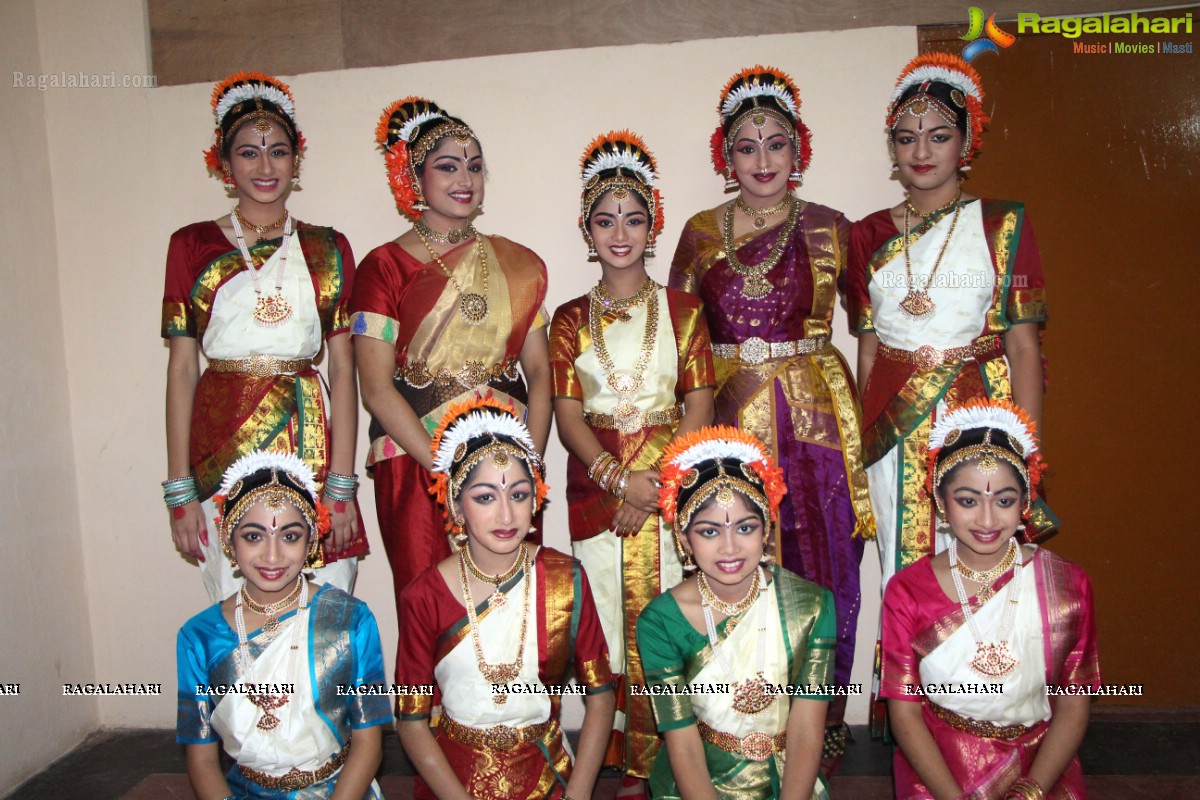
(994, 37)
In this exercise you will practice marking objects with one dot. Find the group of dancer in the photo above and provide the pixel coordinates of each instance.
(725, 471)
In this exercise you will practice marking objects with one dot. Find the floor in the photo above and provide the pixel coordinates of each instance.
(1152, 756)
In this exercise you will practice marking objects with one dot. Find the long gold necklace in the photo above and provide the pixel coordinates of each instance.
(497, 599)
(755, 285)
(988, 576)
(625, 384)
(917, 303)
(472, 306)
(507, 672)
(272, 610)
(758, 216)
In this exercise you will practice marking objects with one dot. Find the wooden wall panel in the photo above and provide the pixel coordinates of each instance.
(1104, 149)
(205, 40)
(193, 42)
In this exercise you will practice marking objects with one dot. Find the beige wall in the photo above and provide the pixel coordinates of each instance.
(126, 170)
(45, 627)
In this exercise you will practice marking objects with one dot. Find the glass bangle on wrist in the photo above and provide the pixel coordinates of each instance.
(341, 488)
(179, 491)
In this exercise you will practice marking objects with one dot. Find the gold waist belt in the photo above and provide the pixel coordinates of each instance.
(260, 366)
(629, 423)
(756, 746)
(497, 737)
(755, 350)
(472, 375)
(975, 727)
(297, 778)
(927, 357)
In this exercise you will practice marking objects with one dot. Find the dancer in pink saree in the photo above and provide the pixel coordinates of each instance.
(989, 648)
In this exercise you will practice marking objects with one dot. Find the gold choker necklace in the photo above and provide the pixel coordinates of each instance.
(709, 598)
(759, 215)
(937, 211)
(499, 579)
(261, 230)
(988, 576)
(272, 610)
(452, 236)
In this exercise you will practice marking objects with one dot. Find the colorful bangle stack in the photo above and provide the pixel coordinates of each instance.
(607, 473)
(1026, 789)
(341, 488)
(180, 491)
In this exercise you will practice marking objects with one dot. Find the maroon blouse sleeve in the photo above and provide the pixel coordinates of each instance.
(417, 615)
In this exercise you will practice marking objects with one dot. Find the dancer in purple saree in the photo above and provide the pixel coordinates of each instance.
(769, 309)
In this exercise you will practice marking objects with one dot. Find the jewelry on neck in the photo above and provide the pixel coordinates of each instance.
(506, 672)
(988, 576)
(753, 695)
(452, 236)
(937, 212)
(993, 659)
(754, 282)
(709, 598)
(917, 303)
(273, 310)
(620, 305)
(272, 610)
(268, 703)
(497, 599)
(472, 306)
(261, 230)
(759, 215)
(625, 383)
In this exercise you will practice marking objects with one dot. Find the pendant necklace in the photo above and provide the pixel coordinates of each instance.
(992, 659)
(624, 383)
(755, 285)
(753, 695)
(917, 303)
(504, 672)
(273, 310)
(472, 306)
(269, 703)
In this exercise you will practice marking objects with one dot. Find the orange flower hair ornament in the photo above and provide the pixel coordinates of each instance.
(274, 479)
(470, 431)
(405, 136)
(717, 460)
(756, 94)
(250, 96)
(620, 161)
(1009, 436)
(966, 95)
